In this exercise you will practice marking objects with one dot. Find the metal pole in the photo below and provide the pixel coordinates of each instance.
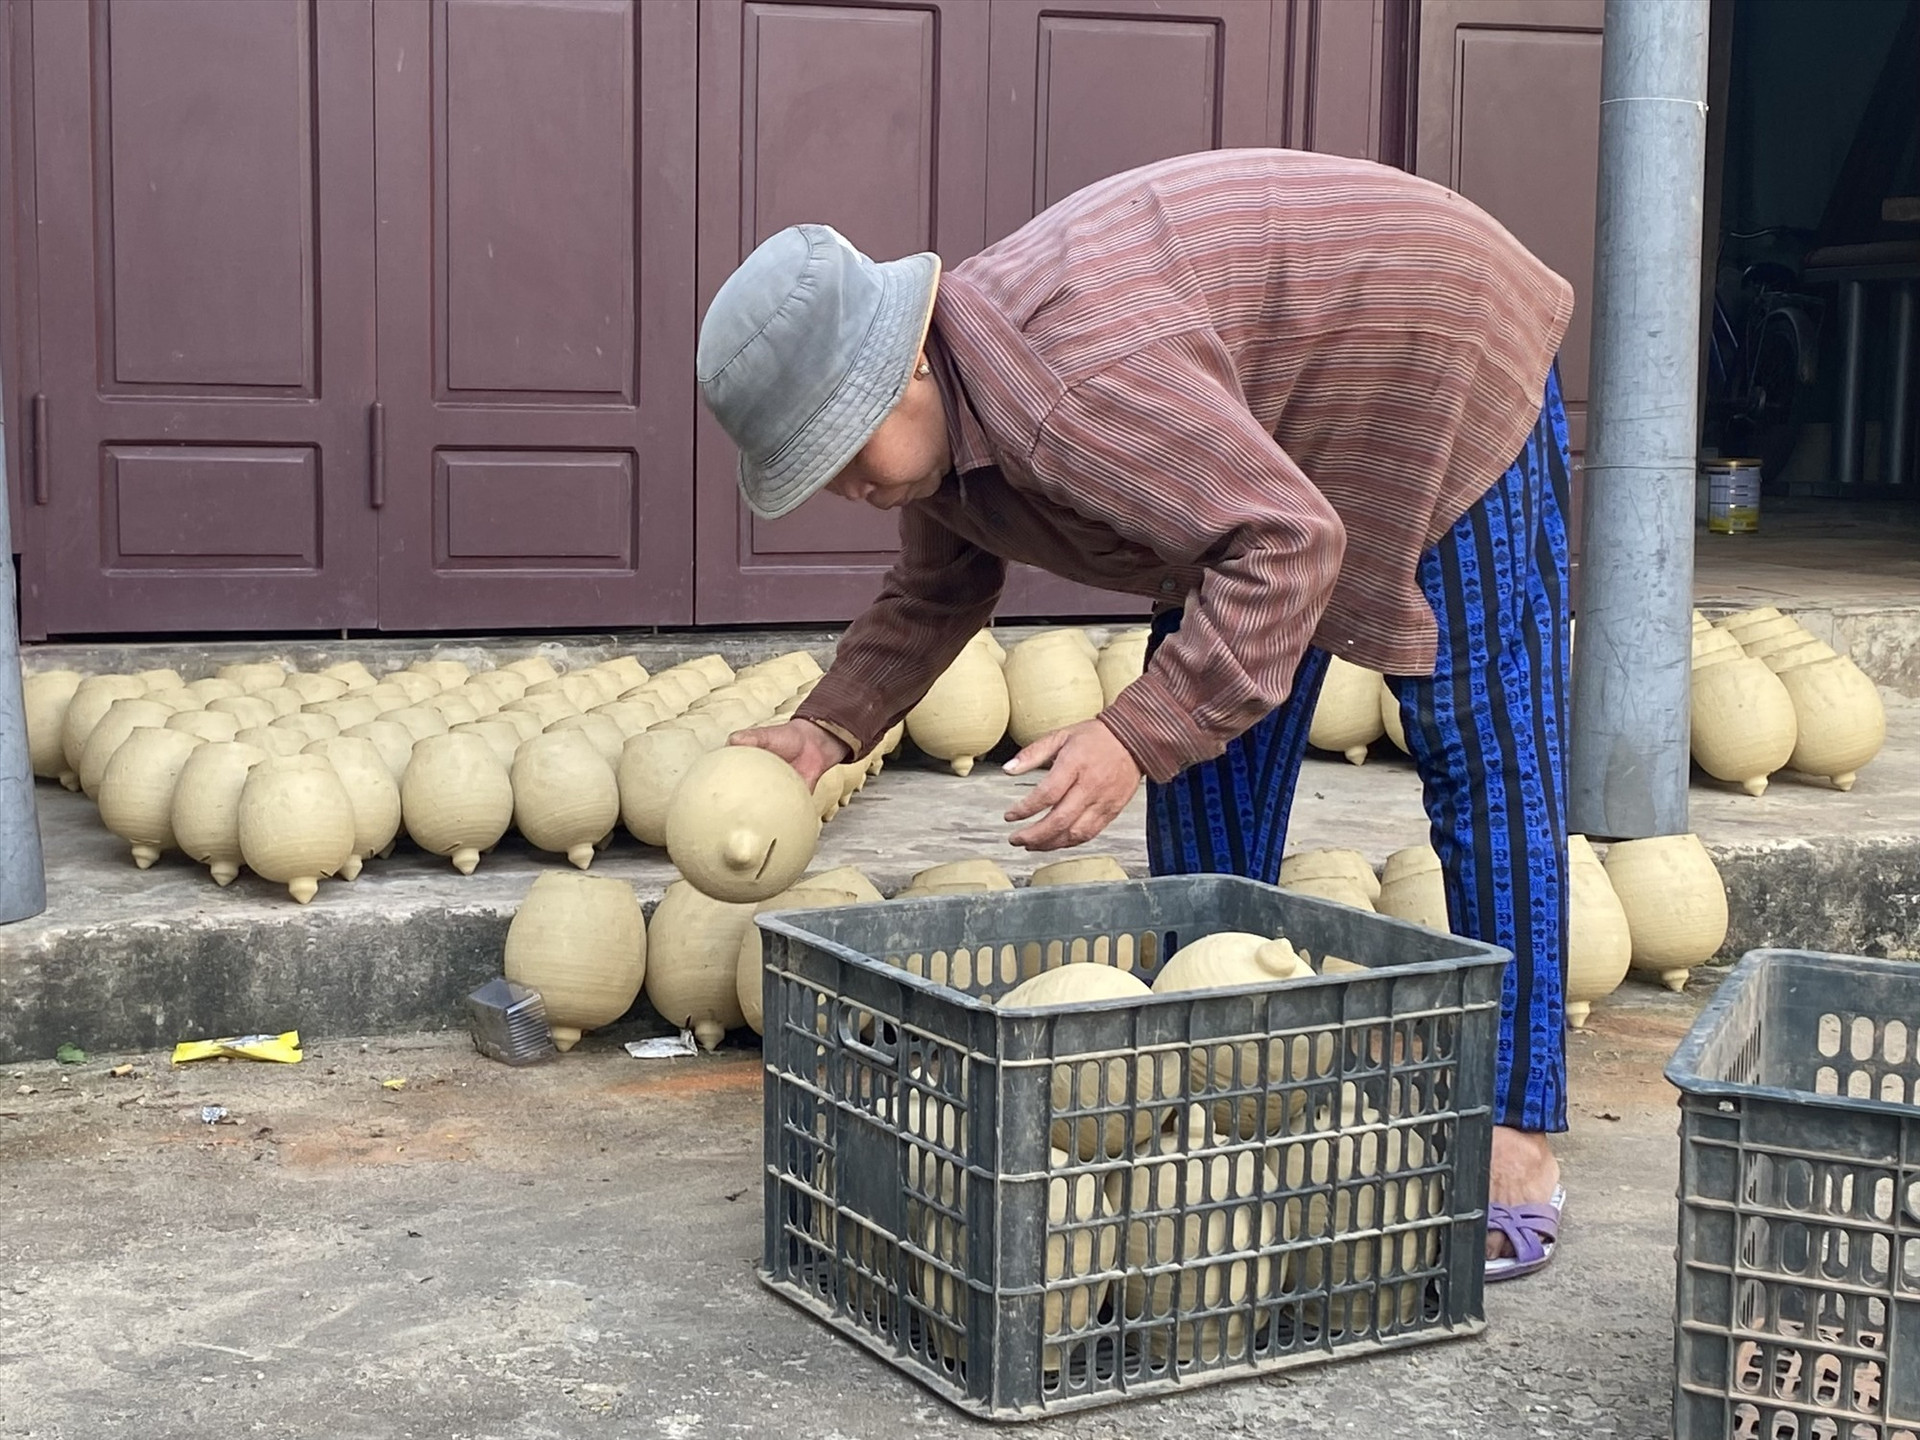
(1631, 674)
(1899, 387)
(23, 876)
(1847, 426)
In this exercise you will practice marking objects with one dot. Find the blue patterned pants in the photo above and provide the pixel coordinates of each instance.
(1487, 731)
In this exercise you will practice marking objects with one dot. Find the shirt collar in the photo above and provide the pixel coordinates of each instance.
(965, 436)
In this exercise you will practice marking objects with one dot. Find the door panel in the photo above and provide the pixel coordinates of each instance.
(1509, 115)
(868, 117)
(205, 270)
(535, 322)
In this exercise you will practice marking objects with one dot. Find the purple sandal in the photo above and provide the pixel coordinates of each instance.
(1532, 1230)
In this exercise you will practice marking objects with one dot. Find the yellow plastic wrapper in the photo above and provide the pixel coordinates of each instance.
(283, 1049)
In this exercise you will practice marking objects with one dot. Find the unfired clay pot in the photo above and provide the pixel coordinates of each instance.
(1081, 870)
(372, 792)
(452, 707)
(1599, 943)
(47, 694)
(316, 689)
(1341, 889)
(1088, 1085)
(1840, 721)
(123, 717)
(547, 705)
(456, 798)
(987, 872)
(693, 946)
(92, 698)
(253, 675)
(600, 731)
(752, 958)
(1805, 652)
(136, 792)
(447, 674)
(1346, 718)
(582, 943)
(418, 688)
(565, 798)
(205, 724)
(205, 816)
(274, 742)
(503, 685)
(213, 688)
(652, 765)
(309, 725)
(1051, 683)
(419, 722)
(1330, 864)
(1675, 903)
(1715, 642)
(296, 822)
(1392, 722)
(1413, 888)
(502, 737)
(1229, 958)
(1121, 661)
(249, 710)
(965, 713)
(353, 673)
(741, 825)
(533, 669)
(351, 710)
(1743, 725)
(392, 741)
(842, 879)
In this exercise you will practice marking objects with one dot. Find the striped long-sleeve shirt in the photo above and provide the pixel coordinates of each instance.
(1259, 383)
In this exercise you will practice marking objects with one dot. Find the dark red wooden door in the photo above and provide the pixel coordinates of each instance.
(1509, 115)
(869, 117)
(535, 321)
(1081, 95)
(204, 254)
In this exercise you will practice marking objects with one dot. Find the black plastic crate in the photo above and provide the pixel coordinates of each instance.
(1797, 1312)
(1033, 1211)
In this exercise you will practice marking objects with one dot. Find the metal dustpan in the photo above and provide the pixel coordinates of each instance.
(509, 1023)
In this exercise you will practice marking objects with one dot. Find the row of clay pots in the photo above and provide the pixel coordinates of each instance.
(1768, 695)
(453, 757)
(1657, 906)
(580, 942)
(1054, 679)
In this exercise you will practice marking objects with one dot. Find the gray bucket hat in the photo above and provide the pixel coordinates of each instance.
(805, 350)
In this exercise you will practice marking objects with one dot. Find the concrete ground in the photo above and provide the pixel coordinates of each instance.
(570, 1250)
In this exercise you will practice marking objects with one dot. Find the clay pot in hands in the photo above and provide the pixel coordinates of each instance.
(1330, 864)
(1413, 888)
(136, 792)
(652, 765)
(392, 741)
(693, 949)
(582, 943)
(987, 872)
(1840, 721)
(1122, 660)
(748, 979)
(92, 698)
(741, 825)
(1051, 683)
(456, 799)
(205, 815)
(296, 822)
(47, 694)
(565, 798)
(1675, 903)
(123, 717)
(1743, 724)
(965, 713)
(372, 792)
(1346, 718)
(1599, 942)
(1081, 870)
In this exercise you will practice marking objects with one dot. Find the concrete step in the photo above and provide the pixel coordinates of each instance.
(125, 959)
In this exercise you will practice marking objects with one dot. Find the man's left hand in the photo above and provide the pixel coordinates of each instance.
(1092, 779)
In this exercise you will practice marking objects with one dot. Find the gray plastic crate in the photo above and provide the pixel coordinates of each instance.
(1797, 1313)
(1034, 1211)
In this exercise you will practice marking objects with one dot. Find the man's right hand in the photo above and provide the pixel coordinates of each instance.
(811, 750)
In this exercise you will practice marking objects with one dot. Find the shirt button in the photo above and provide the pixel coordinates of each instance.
(1166, 587)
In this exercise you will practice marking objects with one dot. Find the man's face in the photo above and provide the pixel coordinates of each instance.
(906, 459)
